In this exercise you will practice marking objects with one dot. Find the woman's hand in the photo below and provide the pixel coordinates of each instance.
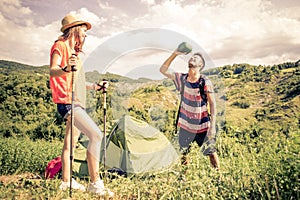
(72, 62)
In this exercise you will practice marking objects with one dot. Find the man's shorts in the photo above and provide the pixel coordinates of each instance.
(186, 138)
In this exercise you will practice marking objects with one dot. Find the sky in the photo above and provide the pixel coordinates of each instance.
(257, 32)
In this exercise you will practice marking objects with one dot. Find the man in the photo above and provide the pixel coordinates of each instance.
(196, 122)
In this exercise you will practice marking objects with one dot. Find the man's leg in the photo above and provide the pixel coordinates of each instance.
(184, 159)
(185, 140)
(208, 149)
(214, 161)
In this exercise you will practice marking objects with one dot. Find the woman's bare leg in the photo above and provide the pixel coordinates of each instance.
(88, 127)
(65, 158)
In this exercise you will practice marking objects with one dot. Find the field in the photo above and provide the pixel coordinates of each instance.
(260, 169)
(258, 143)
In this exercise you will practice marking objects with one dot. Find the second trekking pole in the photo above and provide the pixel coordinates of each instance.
(73, 69)
(104, 90)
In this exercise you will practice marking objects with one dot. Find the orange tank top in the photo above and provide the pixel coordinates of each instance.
(61, 86)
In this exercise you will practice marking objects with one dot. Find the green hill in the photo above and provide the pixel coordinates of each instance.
(258, 145)
(255, 97)
(262, 97)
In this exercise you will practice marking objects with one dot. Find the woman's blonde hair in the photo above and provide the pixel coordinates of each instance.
(68, 33)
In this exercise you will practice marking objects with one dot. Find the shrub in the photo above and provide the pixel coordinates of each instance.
(241, 104)
(23, 155)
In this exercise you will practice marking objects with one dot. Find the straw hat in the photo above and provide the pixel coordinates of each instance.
(71, 21)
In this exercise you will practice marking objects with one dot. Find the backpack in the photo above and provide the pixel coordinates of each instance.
(53, 168)
(201, 90)
(117, 171)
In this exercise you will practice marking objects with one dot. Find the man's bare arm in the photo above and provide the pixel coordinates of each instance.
(212, 108)
(164, 69)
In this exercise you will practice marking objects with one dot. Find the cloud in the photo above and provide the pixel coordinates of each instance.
(148, 2)
(91, 17)
(27, 44)
(145, 63)
(21, 40)
(92, 40)
(13, 10)
(230, 31)
(30, 44)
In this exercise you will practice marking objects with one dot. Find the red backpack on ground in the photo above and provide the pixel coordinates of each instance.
(53, 167)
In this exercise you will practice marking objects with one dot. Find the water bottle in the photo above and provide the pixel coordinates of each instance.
(184, 48)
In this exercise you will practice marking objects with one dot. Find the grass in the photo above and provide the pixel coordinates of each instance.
(264, 168)
(259, 154)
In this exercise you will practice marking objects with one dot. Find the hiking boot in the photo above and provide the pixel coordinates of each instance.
(98, 188)
(75, 186)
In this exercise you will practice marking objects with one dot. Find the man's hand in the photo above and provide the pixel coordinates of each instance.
(211, 132)
(177, 52)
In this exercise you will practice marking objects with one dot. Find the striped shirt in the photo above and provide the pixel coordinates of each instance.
(193, 115)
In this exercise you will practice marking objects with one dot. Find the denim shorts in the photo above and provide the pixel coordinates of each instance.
(64, 109)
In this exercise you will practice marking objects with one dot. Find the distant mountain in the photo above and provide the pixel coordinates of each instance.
(95, 76)
(8, 66)
(253, 99)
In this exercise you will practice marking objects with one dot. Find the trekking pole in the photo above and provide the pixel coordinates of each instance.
(104, 120)
(73, 69)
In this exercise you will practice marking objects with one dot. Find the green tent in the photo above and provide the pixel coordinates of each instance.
(133, 146)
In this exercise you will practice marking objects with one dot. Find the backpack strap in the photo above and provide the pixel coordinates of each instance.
(201, 88)
(182, 81)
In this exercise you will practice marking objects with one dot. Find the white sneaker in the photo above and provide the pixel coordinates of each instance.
(75, 186)
(98, 188)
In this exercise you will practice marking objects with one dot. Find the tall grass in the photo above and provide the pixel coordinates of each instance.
(24, 155)
(266, 167)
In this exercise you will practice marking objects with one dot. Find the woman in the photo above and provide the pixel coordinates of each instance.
(64, 56)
